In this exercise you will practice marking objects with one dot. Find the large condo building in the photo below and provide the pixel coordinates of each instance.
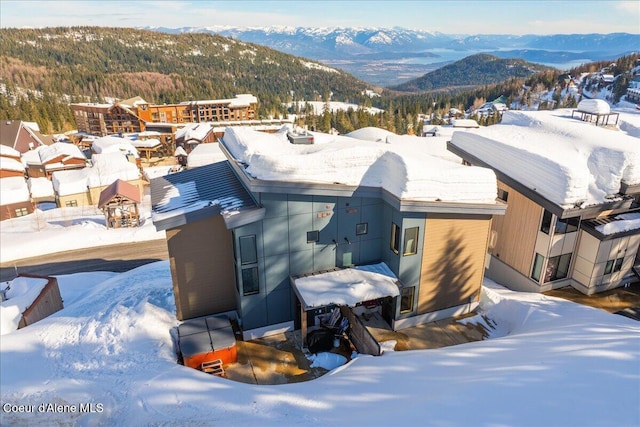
(134, 115)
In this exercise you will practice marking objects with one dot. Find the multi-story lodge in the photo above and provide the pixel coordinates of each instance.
(264, 233)
(135, 114)
(573, 195)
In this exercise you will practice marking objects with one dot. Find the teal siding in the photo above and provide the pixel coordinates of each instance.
(283, 248)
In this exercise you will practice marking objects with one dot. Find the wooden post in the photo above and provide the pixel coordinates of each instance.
(303, 326)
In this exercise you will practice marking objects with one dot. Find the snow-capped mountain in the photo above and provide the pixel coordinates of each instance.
(388, 56)
(332, 42)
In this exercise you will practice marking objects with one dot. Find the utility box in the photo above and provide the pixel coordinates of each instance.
(300, 137)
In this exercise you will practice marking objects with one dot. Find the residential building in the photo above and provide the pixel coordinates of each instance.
(15, 199)
(247, 234)
(55, 157)
(83, 187)
(573, 192)
(10, 162)
(22, 136)
(137, 115)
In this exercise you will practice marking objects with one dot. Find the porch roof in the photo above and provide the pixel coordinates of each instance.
(348, 286)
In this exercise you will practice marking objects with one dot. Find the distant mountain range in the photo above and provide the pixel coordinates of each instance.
(389, 56)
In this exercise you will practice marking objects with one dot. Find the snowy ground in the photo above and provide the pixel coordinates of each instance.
(549, 363)
(61, 229)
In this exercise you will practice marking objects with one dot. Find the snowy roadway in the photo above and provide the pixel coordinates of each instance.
(117, 258)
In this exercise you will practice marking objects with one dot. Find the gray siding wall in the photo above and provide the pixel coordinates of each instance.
(283, 250)
(407, 268)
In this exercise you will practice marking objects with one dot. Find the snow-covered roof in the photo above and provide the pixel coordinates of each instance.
(370, 134)
(179, 152)
(407, 170)
(594, 106)
(5, 150)
(194, 131)
(112, 144)
(32, 157)
(57, 149)
(568, 161)
(108, 167)
(21, 294)
(13, 189)
(348, 287)
(241, 100)
(105, 169)
(205, 154)
(621, 223)
(10, 164)
(146, 143)
(40, 187)
(70, 181)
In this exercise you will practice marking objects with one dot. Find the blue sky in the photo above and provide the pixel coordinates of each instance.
(450, 17)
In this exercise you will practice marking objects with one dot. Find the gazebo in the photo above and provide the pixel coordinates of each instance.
(119, 202)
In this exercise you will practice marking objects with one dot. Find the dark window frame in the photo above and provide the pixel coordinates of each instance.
(553, 271)
(547, 219)
(313, 236)
(608, 268)
(538, 263)
(503, 194)
(359, 228)
(618, 265)
(407, 295)
(244, 249)
(567, 225)
(254, 281)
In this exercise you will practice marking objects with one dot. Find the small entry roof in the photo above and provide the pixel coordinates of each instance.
(348, 286)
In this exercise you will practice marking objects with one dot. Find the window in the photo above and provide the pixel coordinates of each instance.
(613, 265)
(406, 299)
(567, 225)
(313, 236)
(71, 203)
(618, 265)
(609, 267)
(250, 281)
(537, 267)
(395, 238)
(410, 241)
(362, 228)
(503, 194)
(546, 222)
(21, 212)
(557, 268)
(248, 253)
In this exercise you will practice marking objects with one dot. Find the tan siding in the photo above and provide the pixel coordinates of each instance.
(517, 231)
(82, 199)
(454, 253)
(202, 268)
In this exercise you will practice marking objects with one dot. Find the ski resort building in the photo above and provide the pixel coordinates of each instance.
(133, 115)
(573, 190)
(280, 233)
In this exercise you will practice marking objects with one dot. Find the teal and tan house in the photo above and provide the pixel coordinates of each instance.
(243, 233)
